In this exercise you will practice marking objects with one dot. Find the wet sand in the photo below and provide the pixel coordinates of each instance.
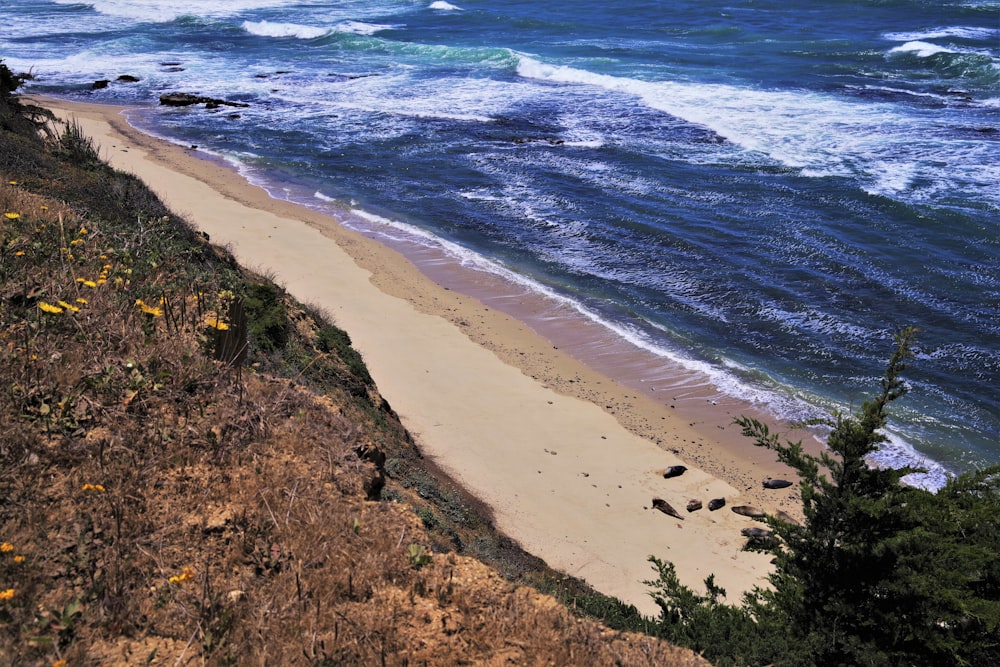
(568, 455)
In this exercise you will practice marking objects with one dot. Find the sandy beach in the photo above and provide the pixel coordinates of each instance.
(568, 459)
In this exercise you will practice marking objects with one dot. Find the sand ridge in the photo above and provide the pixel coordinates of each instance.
(568, 460)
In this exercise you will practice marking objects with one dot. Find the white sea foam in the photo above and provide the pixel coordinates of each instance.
(937, 33)
(795, 129)
(160, 11)
(819, 134)
(444, 6)
(361, 28)
(269, 29)
(897, 453)
(299, 31)
(921, 49)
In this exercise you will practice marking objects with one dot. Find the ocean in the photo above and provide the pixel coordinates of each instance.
(760, 191)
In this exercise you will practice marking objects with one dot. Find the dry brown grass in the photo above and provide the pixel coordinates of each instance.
(161, 506)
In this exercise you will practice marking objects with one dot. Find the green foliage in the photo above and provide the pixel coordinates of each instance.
(881, 573)
(334, 339)
(76, 147)
(724, 634)
(418, 556)
(9, 81)
(267, 317)
(23, 121)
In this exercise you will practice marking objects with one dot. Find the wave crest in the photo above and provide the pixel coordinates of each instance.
(163, 11)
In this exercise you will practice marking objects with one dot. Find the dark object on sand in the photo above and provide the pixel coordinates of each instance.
(776, 483)
(674, 471)
(756, 533)
(693, 505)
(749, 510)
(664, 506)
(785, 516)
(716, 503)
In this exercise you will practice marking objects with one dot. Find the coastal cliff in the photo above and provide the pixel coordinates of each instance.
(198, 469)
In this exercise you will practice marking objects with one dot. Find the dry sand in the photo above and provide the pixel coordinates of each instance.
(568, 459)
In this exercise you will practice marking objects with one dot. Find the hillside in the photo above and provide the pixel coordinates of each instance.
(196, 469)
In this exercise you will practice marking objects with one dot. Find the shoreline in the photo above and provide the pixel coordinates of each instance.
(567, 458)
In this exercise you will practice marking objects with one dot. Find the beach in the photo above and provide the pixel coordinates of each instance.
(567, 459)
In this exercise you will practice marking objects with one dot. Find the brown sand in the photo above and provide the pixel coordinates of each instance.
(568, 459)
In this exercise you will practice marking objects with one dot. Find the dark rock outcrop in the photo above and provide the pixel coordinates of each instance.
(189, 99)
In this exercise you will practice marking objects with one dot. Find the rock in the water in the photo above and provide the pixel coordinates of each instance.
(770, 483)
(693, 505)
(674, 471)
(99, 84)
(664, 506)
(716, 503)
(187, 99)
(179, 99)
(749, 510)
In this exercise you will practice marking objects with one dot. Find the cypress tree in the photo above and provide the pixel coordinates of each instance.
(880, 573)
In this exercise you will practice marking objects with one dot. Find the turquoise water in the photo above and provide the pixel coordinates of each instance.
(764, 191)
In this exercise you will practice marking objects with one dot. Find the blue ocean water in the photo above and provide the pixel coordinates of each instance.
(764, 190)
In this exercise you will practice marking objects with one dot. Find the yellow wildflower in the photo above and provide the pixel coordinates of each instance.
(44, 207)
(49, 308)
(101, 281)
(12, 216)
(60, 663)
(6, 547)
(82, 300)
(217, 324)
(11, 182)
(96, 488)
(69, 306)
(18, 558)
(149, 310)
(19, 253)
(83, 230)
(186, 573)
(7, 594)
(76, 242)
(88, 283)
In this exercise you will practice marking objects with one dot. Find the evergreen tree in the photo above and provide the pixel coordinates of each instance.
(880, 573)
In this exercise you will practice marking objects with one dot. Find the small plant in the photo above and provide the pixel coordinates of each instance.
(419, 556)
(77, 147)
